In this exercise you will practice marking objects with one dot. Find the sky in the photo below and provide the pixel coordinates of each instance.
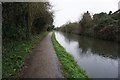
(72, 10)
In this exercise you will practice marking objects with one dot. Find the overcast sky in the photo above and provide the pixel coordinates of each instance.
(71, 10)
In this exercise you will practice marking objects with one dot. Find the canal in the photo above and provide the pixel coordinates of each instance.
(99, 58)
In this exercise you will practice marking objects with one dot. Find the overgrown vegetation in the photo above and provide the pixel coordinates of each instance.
(69, 66)
(69, 28)
(14, 61)
(102, 25)
(23, 20)
(23, 24)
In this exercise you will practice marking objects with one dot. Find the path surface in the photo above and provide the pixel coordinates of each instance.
(43, 61)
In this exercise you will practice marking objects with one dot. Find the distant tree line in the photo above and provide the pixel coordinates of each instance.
(103, 26)
(70, 27)
(20, 21)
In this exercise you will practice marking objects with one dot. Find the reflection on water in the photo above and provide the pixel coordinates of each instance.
(98, 58)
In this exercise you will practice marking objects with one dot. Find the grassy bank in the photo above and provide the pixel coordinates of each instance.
(13, 61)
(69, 66)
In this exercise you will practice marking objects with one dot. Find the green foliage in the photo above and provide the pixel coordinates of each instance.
(69, 66)
(102, 25)
(20, 23)
(13, 20)
(13, 62)
(86, 24)
(50, 28)
(23, 20)
(106, 26)
(70, 28)
(39, 16)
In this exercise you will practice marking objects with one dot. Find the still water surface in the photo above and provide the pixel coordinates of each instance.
(98, 58)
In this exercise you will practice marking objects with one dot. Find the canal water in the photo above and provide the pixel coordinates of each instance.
(99, 58)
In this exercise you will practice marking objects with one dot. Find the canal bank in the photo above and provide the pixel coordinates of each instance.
(69, 66)
(98, 58)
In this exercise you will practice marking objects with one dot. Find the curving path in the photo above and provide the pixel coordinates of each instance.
(43, 61)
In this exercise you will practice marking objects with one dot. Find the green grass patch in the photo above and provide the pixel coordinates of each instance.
(69, 66)
(13, 62)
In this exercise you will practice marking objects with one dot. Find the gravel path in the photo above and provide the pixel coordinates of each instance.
(43, 61)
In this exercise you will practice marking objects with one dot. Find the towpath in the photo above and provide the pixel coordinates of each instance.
(43, 61)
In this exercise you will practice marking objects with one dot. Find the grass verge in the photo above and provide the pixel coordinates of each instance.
(69, 66)
(13, 62)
